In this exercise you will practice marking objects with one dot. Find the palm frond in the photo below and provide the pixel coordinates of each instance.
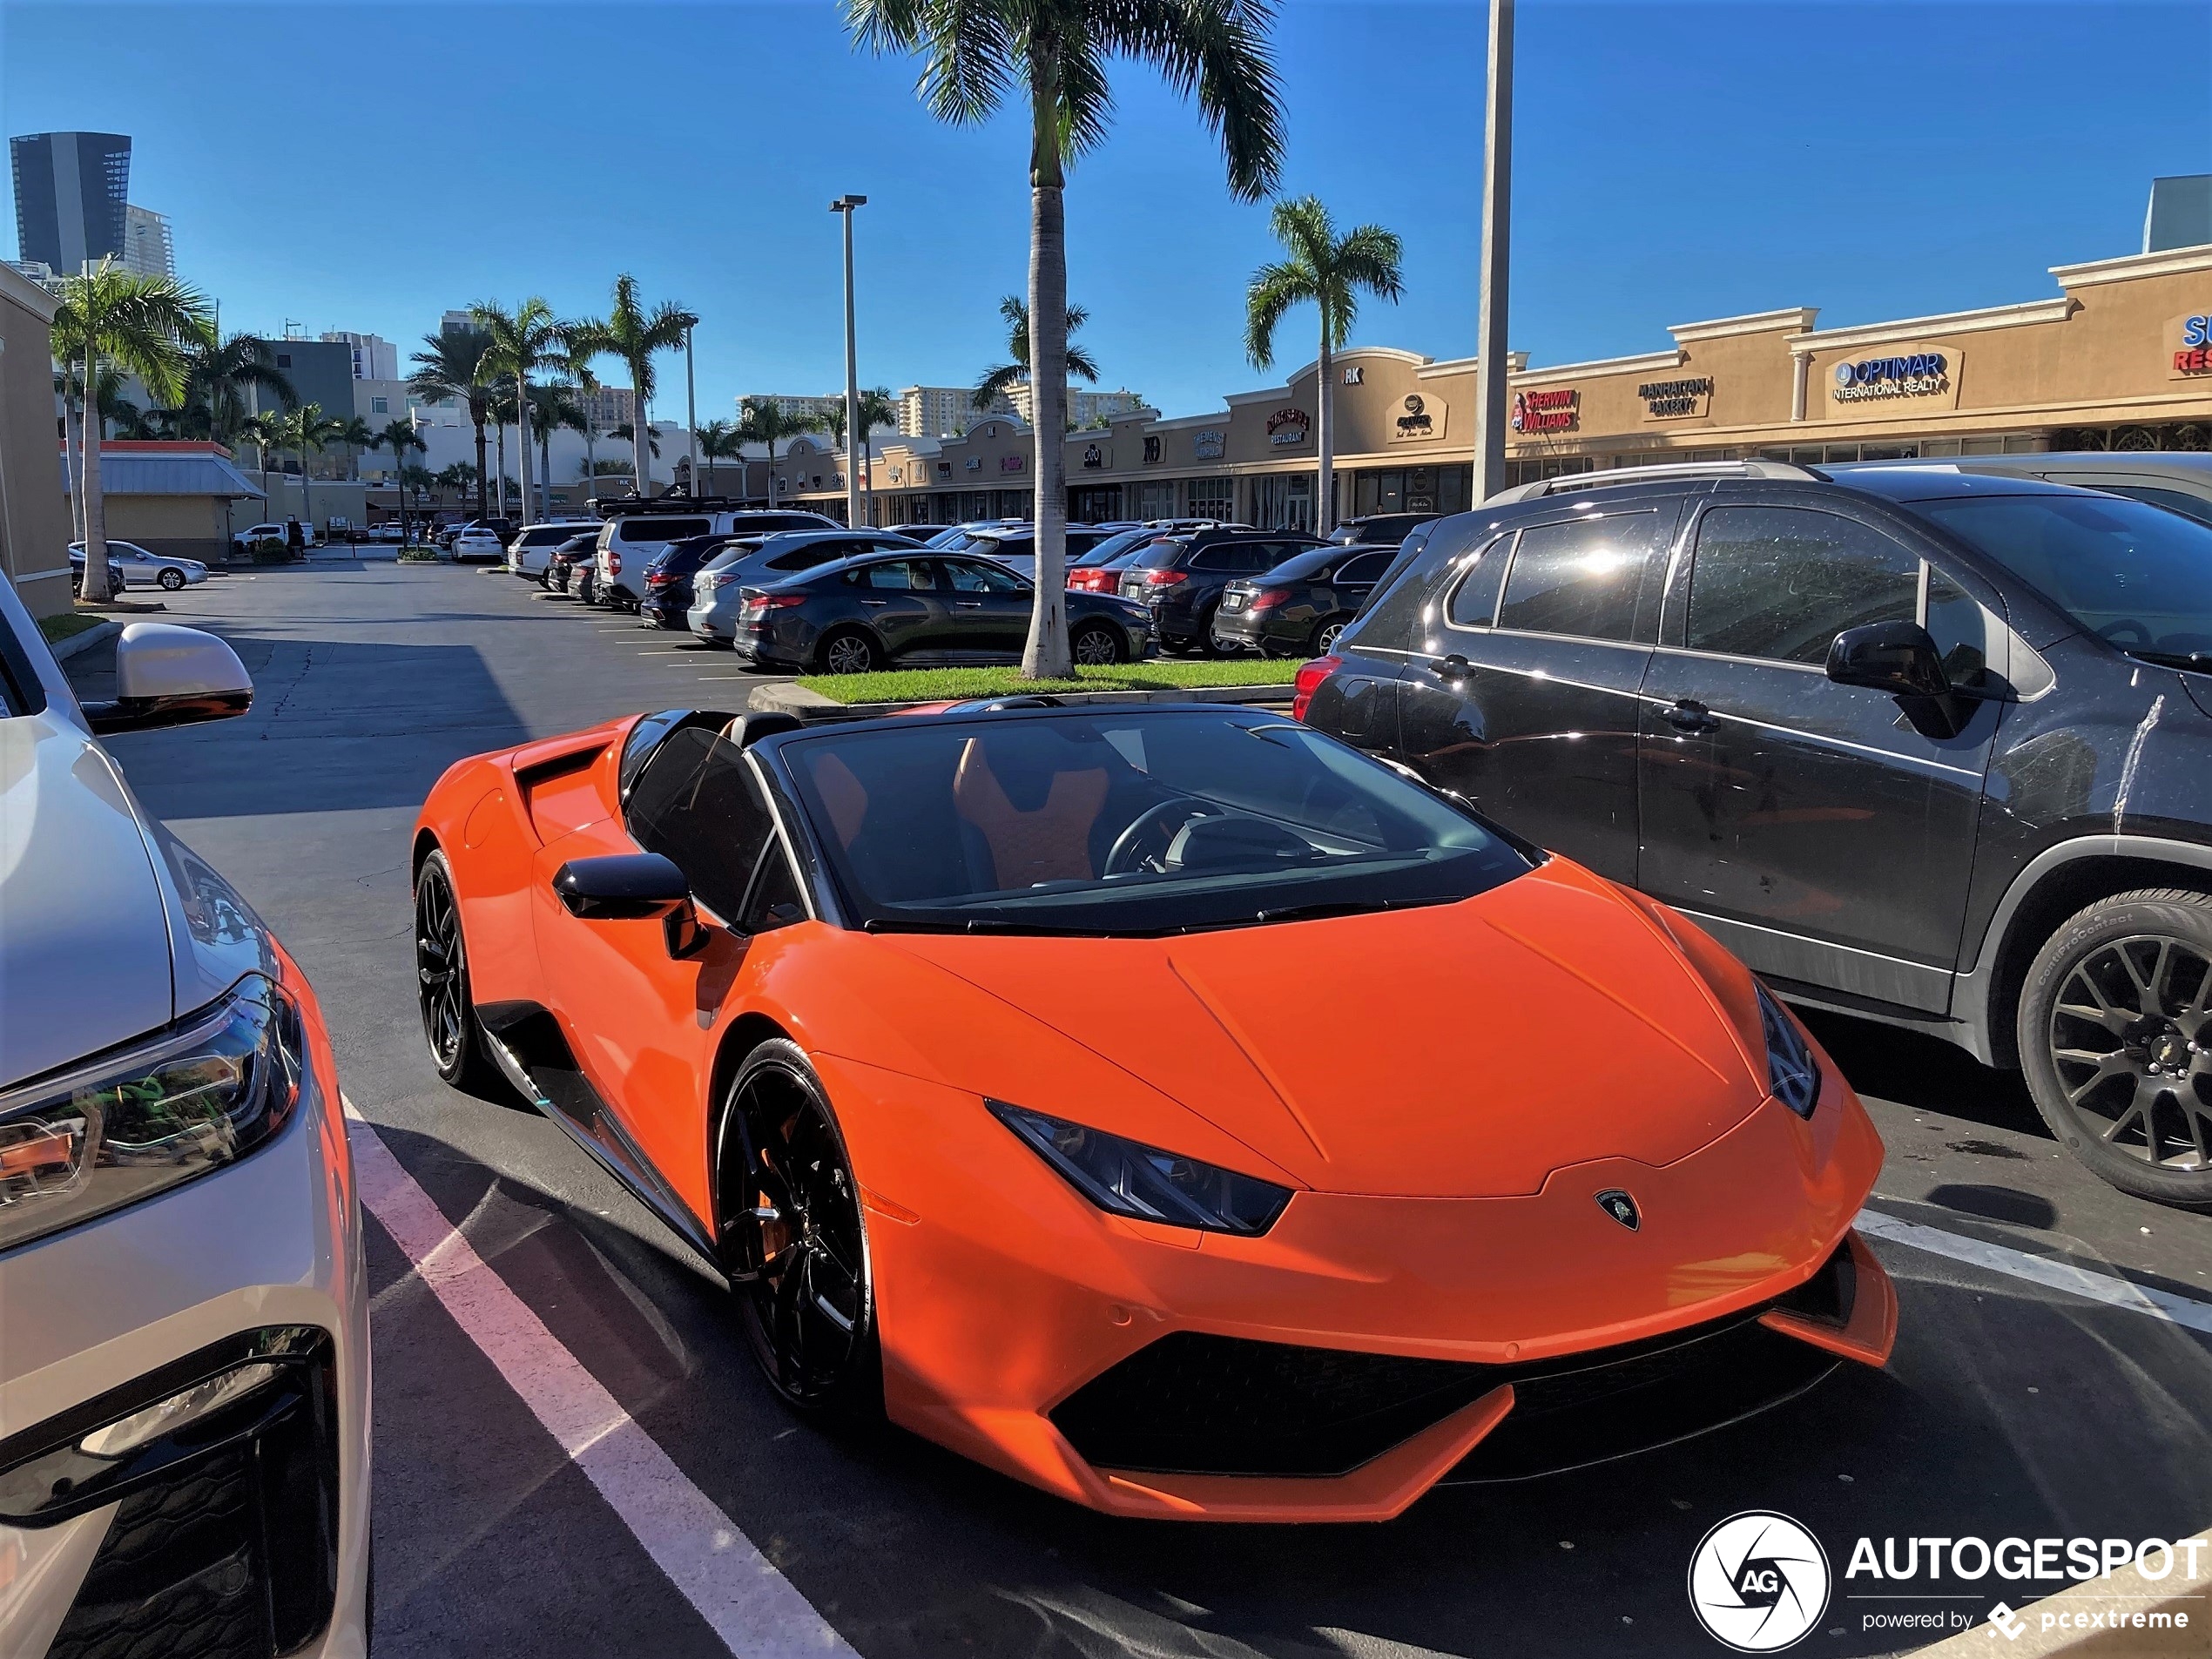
(1275, 289)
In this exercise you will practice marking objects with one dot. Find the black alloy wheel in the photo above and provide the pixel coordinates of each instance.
(2115, 1033)
(441, 980)
(1096, 645)
(793, 1242)
(848, 651)
(1326, 637)
(171, 578)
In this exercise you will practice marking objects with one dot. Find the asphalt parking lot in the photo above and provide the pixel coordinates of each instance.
(2053, 1375)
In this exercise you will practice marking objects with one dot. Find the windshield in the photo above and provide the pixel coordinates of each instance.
(1130, 823)
(1160, 555)
(2135, 576)
(1116, 545)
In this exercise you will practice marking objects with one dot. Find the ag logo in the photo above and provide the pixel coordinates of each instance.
(1758, 1581)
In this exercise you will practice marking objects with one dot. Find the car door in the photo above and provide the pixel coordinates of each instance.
(990, 607)
(900, 601)
(1825, 833)
(1521, 692)
(1355, 578)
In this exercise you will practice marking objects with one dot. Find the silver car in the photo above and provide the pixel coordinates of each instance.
(143, 570)
(184, 1377)
(756, 561)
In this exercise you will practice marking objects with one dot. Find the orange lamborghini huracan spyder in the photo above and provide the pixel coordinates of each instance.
(1170, 1107)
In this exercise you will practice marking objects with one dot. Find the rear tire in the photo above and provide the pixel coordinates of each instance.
(1326, 636)
(2115, 1035)
(847, 650)
(795, 1240)
(1096, 645)
(442, 982)
(1205, 646)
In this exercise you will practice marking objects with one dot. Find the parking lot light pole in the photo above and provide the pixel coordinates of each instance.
(854, 439)
(1491, 365)
(690, 411)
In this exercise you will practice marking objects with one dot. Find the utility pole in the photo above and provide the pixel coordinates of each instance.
(690, 410)
(856, 440)
(1490, 400)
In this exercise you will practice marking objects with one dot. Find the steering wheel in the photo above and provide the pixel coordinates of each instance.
(2125, 625)
(1121, 859)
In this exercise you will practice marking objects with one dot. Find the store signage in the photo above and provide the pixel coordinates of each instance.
(1355, 376)
(975, 463)
(1682, 400)
(1210, 444)
(1922, 375)
(1153, 452)
(1009, 464)
(1096, 456)
(1552, 411)
(1419, 416)
(2189, 340)
(1287, 427)
(944, 469)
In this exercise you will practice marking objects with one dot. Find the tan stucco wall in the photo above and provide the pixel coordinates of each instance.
(34, 514)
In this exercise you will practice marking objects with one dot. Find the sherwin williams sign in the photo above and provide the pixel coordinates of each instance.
(1552, 411)
(1921, 376)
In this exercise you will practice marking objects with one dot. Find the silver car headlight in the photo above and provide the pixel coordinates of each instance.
(1793, 1075)
(137, 1120)
(1129, 1178)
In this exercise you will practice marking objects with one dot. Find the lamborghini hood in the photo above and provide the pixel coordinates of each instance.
(1462, 1050)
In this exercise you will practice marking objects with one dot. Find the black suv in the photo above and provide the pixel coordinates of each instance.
(1380, 530)
(1180, 578)
(1930, 747)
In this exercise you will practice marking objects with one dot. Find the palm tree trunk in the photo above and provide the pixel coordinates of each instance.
(1325, 504)
(641, 434)
(307, 496)
(1046, 655)
(523, 438)
(483, 471)
(95, 588)
(72, 456)
(771, 475)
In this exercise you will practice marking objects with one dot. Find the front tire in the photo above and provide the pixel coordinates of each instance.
(795, 1243)
(2115, 1035)
(171, 580)
(442, 982)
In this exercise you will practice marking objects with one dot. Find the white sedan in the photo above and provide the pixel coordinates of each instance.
(143, 570)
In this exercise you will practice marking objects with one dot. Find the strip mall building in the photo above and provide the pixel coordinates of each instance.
(2120, 358)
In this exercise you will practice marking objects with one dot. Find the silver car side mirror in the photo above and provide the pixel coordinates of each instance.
(166, 675)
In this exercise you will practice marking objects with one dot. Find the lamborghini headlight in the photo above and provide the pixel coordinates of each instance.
(133, 1123)
(1129, 1178)
(1793, 1075)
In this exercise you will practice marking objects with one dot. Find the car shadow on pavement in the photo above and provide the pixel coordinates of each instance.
(1926, 1072)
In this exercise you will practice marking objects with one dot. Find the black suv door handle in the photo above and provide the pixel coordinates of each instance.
(1690, 715)
(1451, 668)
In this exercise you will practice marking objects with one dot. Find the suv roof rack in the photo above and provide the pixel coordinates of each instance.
(645, 506)
(1566, 483)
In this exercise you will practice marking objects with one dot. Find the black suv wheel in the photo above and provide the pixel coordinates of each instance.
(2115, 1033)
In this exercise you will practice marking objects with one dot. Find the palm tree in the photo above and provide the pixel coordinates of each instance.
(998, 381)
(399, 436)
(635, 335)
(112, 318)
(719, 441)
(265, 433)
(460, 478)
(1060, 52)
(355, 434)
(522, 340)
(550, 407)
(877, 409)
(224, 378)
(452, 369)
(766, 422)
(576, 360)
(309, 431)
(1331, 271)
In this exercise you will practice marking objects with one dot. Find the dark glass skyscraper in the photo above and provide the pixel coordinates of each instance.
(71, 191)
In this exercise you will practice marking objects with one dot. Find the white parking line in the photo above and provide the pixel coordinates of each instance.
(753, 1607)
(2040, 1270)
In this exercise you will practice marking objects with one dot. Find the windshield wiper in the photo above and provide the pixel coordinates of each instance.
(2199, 662)
(972, 925)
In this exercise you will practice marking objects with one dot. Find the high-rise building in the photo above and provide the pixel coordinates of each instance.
(608, 406)
(374, 357)
(810, 408)
(942, 411)
(2181, 213)
(146, 247)
(1085, 408)
(72, 197)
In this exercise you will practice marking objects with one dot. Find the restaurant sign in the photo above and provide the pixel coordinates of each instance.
(1210, 444)
(1921, 376)
(1556, 410)
(1287, 427)
(1152, 456)
(1097, 456)
(2188, 341)
(1009, 464)
(1419, 416)
(1679, 400)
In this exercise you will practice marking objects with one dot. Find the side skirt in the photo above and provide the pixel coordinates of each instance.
(526, 1043)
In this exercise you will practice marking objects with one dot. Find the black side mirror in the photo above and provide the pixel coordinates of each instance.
(632, 887)
(1894, 656)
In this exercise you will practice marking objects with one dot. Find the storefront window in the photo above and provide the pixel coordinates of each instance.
(1095, 503)
(1213, 498)
(1155, 499)
(1284, 501)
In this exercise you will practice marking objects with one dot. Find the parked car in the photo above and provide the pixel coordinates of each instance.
(479, 543)
(244, 541)
(630, 542)
(1380, 530)
(762, 561)
(1301, 606)
(390, 530)
(1181, 578)
(1922, 746)
(143, 570)
(877, 946)
(1015, 546)
(917, 533)
(2179, 480)
(498, 528)
(574, 564)
(1099, 569)
(185, 1464)
(878, 612)
(530, 549)
(115, 575)
(950, 535)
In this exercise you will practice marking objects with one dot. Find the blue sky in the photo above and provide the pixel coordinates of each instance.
(366, 168)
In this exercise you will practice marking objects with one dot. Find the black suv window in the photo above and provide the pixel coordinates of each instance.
(696, 805)
(1781, 583)
(1368, 567)
(1223, 558)
(1474, 601)
(1580, 577)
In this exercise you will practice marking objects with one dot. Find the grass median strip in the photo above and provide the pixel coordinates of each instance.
(929, 684)
(68, 624)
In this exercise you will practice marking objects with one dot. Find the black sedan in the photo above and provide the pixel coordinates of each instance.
(874, 612)
(1380, 530)
(1298, 608)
